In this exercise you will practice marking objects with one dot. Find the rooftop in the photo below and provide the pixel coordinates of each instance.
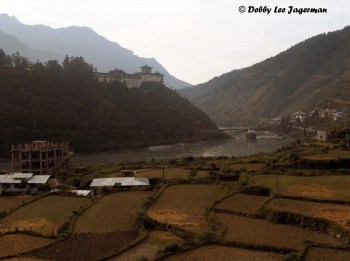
(124, 182)
(17, 178)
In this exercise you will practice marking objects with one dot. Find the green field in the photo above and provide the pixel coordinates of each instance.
(184, 205)
(43, 216)
(112, 213)
(320, 187)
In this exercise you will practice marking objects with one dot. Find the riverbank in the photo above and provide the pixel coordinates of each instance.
(235, 146)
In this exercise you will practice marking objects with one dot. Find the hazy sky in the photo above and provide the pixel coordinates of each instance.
(194, 40)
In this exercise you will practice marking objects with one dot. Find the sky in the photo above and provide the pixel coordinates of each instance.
(195, 40)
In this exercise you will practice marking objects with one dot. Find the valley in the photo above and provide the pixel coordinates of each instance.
(258, 206)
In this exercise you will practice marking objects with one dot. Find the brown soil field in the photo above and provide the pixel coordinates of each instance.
(112, 213)
(333, 212)
(43, 216)
(24, 259)
(17, 243)
(8, 203)
(262, 232)
(184, 205)
(156, 240)
(321, 187)
(326, 254)
(225, 253)
(247, 166)
(242, 203)
(84, 246)
(170, 173)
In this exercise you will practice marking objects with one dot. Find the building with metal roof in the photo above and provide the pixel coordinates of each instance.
(22, 183)
(120, 181)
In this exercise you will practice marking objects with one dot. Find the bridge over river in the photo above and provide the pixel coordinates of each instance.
(234, 128)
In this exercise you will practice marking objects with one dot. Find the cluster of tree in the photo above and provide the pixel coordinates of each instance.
(72, 67)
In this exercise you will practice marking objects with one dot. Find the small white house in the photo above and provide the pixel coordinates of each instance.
(21, 183)
(302, 116)
(119, 182)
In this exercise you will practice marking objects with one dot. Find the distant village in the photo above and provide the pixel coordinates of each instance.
(131, 80)
(300, 117)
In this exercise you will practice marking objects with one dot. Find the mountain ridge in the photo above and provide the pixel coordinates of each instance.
(82, 41)
(310, 75)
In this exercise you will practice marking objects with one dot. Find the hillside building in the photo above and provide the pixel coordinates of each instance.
(302, 116)
(40, 157)
(131, 80)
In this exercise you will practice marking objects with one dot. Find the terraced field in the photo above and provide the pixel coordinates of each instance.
(333, 212)
(323, 254)
(105, 226)
(11, 202)
(321, 187)
(248, 166)
(112, 213)
(170, 173)
(225, 253)
(262, 232)
(156, 240)
(84, 246)
(17, 243)
(242, 203)
(43, 216)
(184, 205)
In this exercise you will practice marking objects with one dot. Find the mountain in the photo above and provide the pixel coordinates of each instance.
(314, 74)
(67, 104)
(200, 90)
(81, 41)
(11, 44)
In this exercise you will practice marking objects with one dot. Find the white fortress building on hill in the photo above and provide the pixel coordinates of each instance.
(131, 80)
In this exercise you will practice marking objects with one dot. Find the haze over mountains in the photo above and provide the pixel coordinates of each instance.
(45, 43)
(314, 74)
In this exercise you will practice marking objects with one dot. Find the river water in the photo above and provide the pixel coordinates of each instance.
(236, 146)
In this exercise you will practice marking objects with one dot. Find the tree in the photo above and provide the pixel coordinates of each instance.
(53, 67)
(2, 57)
(16, 59)
(39, 66)
(77, 68)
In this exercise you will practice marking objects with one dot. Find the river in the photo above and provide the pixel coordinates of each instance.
(236, 146)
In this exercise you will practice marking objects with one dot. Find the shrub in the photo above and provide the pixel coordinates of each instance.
(256, 190)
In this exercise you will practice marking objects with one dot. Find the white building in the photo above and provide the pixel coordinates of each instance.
(131, 80)
(119, 182)
(302, 116)
(21, 183)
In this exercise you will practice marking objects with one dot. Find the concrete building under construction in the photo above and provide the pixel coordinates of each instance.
(41, 157)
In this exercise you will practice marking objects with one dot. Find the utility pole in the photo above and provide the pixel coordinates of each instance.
(347, 139)
(278, 189)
